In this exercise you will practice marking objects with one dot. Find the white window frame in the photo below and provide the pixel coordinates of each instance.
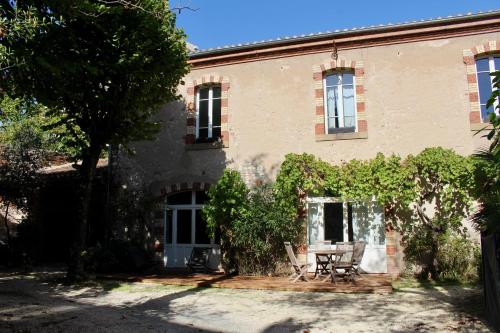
(210, 110)
(491, 68)
(341, 97)
(193, 206)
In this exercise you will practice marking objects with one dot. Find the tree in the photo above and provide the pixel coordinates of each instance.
(20, 160)
(104, 67)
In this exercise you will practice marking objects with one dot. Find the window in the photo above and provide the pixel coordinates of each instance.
(340, 111)
(208, 113)
(484, 67)
(184, 222)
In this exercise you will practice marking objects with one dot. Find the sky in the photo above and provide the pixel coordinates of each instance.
(225, 22)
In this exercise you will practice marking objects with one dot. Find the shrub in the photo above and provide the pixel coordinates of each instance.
(457, 258)
(252, 225)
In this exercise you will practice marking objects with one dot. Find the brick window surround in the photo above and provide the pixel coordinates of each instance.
(182, 187)
(319, 73)
(192, 86)
(469, 57)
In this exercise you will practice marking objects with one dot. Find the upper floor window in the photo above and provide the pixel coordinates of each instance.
(484, 67)
(208, 113)
(340, 111)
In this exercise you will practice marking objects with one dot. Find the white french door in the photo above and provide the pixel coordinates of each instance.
(336, 220)
(185, 228)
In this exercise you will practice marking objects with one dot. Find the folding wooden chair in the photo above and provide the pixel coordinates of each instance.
(359, 251)
(300, 270)
(343, 261)
(322, 261)
(198, 260)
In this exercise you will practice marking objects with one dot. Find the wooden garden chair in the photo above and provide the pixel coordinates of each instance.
(343, 261)
(322, 261)
(199, 258)
(359, 251)
(300, 270)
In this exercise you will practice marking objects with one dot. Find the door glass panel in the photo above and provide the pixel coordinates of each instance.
(334, 222)
(184, 226)
(314, 223)
(201, 197)
(182, 198)
(168, 231)
(200, 232)
(368, 223)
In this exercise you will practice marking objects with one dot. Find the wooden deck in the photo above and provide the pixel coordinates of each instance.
(368, 283)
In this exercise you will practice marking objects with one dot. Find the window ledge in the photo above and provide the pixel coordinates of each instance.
(480, 126)
(206, 145)
(342, 136)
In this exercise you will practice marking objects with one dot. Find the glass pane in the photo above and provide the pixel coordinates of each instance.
(201, 197)
(332, 107)
(334, 222)
(349, 122)
(169, 227)
(216, 92)
(484, 112)
(204, 93)
(497, 63)
(216, 112)
(482, 65)
(184, 226)
(200, 231)
(349, 106)
(332, 79)
(182, 198)
(203, 113)
(347, 78)
(216, 132)
(313, 223)
(203, 133)
(484, 84)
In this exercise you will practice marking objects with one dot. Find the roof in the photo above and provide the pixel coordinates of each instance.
(68, 167)
(342, 32)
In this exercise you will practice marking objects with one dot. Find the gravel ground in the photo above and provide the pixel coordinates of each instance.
(38, 303)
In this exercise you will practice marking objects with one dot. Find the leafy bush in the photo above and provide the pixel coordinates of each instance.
(456, 257)
(252, 225)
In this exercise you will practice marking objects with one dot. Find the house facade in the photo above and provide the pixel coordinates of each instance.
(338, 95)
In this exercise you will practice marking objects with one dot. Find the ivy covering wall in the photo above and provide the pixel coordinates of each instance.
(425, 197)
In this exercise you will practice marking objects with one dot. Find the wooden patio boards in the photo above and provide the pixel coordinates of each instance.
(369, 283)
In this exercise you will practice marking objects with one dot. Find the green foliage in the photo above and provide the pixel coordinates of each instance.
(18, 115)
(425, 195)
(104, 68)
(225, 210)
(457, 258)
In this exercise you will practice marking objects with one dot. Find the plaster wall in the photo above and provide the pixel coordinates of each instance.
(416, 96)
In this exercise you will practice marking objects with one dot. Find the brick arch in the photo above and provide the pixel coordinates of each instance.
(191, 93)
(469, 57)
(181, 187)
(319, 72)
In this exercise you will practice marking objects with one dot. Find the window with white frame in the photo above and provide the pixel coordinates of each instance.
(208, 113)
(485, 66)
(340, 103)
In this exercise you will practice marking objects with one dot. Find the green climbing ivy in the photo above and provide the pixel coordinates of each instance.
(426, 196)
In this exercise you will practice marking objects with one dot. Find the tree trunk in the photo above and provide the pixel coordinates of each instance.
(87, 170)
(6, 221)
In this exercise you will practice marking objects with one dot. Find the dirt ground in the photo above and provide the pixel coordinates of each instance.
(39, 303)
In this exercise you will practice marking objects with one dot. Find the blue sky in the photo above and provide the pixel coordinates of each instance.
(225, 22)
